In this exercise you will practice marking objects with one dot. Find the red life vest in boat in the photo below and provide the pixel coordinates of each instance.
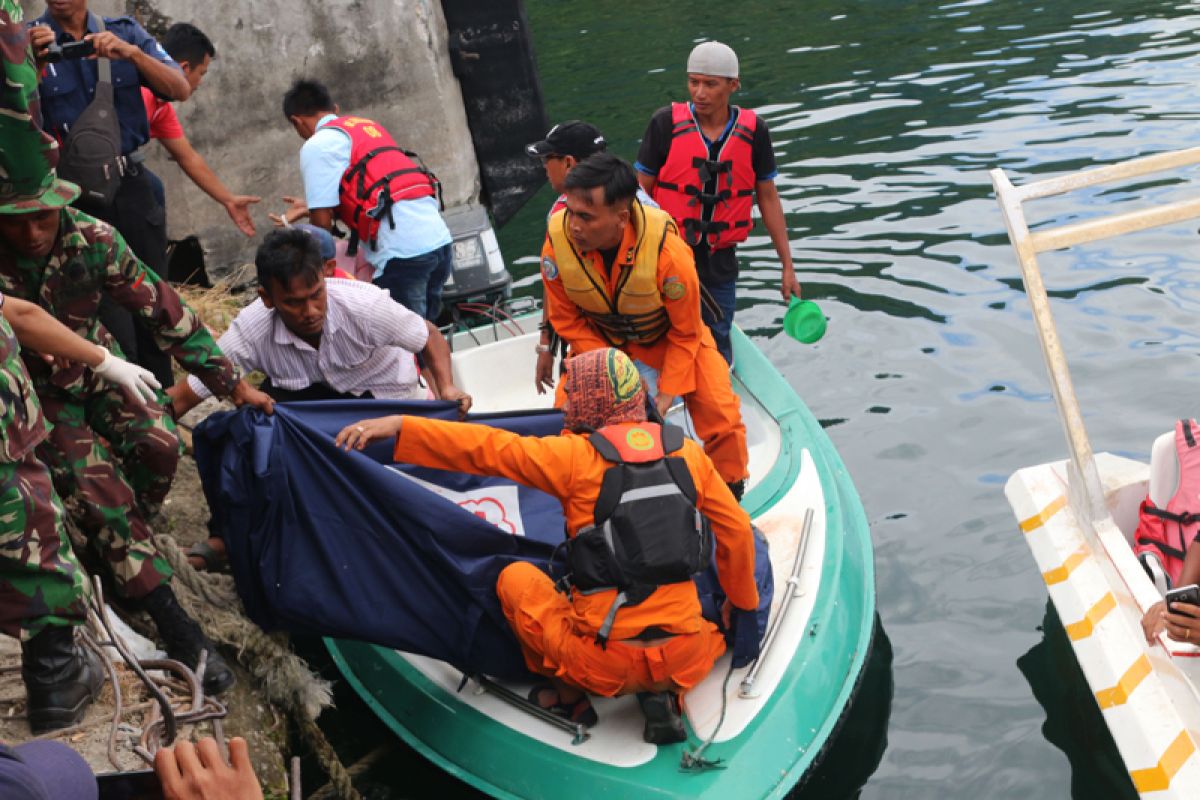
(1164, 534)
(380, 174)
(721, 218)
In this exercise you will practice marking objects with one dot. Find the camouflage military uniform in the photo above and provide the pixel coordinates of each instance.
(113, 484)
(41, 583)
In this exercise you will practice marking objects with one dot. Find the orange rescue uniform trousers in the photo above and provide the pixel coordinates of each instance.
(557, 633)
(556, 646)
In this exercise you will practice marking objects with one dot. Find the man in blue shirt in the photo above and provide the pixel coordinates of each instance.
(411, 251)
(66, 90)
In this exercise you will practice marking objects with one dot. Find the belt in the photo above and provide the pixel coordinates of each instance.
(650, 636)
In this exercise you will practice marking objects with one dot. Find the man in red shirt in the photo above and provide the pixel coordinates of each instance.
(193, 51)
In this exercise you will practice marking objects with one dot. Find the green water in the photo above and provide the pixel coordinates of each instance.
(886, 118)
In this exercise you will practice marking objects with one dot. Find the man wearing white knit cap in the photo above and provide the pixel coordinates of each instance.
(707, 162)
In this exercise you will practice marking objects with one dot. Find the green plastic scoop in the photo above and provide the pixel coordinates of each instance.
(804, 321)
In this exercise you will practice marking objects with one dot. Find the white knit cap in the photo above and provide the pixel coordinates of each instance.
(713, 58)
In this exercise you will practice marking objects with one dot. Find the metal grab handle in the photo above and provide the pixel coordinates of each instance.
(746, 687)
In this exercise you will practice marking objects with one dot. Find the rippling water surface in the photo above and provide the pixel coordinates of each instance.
(887, 117)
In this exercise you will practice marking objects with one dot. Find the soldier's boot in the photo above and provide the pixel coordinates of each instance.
(61, 679)
(664, 725)
(185, 641)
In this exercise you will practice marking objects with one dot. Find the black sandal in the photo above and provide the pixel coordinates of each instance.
(581, 711)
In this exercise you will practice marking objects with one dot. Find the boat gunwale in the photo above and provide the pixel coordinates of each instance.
(797, 425)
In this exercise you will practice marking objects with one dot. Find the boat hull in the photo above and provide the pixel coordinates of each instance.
(1145, 693)
(767, 754)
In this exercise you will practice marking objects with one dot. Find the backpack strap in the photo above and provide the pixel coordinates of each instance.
(1186, 426)
(611, 487)
(672, 438)
(605, 448)
(103, 65)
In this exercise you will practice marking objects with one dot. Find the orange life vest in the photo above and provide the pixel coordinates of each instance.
(380, 174)
(1163, 535)
(634, 311)
(721, 218)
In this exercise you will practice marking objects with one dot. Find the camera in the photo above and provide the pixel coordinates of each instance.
(69, 51)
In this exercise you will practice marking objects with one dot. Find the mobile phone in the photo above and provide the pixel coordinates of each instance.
(1184, 594)
(139, 785)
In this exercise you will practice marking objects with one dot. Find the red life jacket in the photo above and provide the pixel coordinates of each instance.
(380, 174)
(1164, 534)
(721, 218)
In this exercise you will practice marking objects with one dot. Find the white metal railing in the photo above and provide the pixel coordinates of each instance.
(1084, 490)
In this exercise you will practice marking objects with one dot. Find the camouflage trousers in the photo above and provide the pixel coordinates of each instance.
(113, 461)
(41, 583)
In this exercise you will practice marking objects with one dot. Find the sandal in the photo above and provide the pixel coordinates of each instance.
(580, 711)
(214, 560)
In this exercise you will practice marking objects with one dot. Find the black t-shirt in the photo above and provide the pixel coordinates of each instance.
(656, 144)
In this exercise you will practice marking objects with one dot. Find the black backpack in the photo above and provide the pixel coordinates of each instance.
(91, 153)
(648, 531)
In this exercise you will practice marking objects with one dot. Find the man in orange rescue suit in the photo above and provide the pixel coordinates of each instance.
(617, 274)
(706, 162)
(645, 638)
(382, 193)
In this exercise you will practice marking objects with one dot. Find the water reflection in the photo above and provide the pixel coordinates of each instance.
(1074, 723)
(886, 119)
(855, 751)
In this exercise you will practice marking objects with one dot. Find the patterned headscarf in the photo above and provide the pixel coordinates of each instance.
(603, 388)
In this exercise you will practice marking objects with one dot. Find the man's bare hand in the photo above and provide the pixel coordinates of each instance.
(663, 403)
(245, 394)
(40, 37)
(789, 286)
(198, 772)
(238, 208)
(362, 433)
(109, 45)
(456, 395)
(297, 209)
(543, 375)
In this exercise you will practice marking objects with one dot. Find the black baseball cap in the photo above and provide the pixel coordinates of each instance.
(571, 138)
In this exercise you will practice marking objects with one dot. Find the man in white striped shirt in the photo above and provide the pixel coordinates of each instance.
(319, 339)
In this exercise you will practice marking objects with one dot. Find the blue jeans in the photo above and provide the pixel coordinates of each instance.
(725, 294)
(417, 282)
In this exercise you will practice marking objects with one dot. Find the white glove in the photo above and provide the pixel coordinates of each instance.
(138, 382)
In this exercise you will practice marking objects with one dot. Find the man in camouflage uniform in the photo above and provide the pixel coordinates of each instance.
(64, 260)
(43, 589)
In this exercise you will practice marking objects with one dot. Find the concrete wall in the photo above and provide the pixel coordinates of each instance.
(383, 59)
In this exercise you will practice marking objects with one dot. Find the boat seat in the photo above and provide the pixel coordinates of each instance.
(1164, 470)
(1164, 481)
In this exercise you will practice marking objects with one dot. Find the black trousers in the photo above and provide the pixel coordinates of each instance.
(314, 391)
(141, 220)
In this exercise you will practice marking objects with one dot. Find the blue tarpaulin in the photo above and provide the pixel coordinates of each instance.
(353, 546)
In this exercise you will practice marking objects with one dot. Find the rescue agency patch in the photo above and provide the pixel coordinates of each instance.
(673, 288)
(639, 439)
(549, 268)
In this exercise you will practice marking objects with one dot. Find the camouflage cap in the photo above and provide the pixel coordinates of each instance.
(29, 155)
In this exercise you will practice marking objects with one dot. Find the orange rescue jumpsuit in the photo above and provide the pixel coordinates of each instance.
(557, 632)
(686, 357)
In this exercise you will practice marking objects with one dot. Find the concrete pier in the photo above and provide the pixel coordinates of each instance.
(383, 59)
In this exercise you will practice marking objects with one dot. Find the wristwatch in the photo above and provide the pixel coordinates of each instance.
(541, 348)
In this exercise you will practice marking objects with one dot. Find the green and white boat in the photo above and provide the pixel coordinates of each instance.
(769, 723)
